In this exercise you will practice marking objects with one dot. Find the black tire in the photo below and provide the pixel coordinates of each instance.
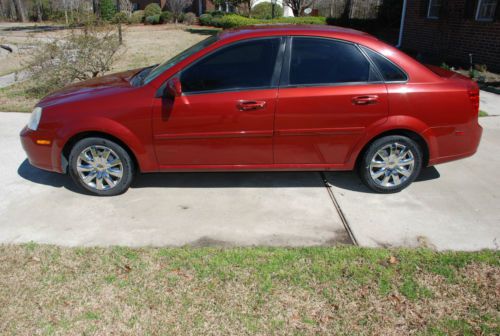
(125, 167)
(375, 184)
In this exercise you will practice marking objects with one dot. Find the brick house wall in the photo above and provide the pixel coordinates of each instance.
(201, 6)
(454, 35)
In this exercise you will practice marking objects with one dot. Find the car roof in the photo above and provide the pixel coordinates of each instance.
(294, 29)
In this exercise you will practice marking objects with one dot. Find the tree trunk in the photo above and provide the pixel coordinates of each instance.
(18, 5)
(346, 15)
(95, 7)
(120, 37)
(65, 12)
(39, 13)
(296, 12)
(3, 12)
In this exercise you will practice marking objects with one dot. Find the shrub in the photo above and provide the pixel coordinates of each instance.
(166, 17)
(107, 9)
(206, 19)
(153, 19)
(217, 13)
(177, 8)
(481, 67)
(152, 9)
(319, 20)
(189, 18)
(121, 17)
(180, 17)
(233, 21)
(445, 66)
(264, 11)
(79, 57)
(137, 17)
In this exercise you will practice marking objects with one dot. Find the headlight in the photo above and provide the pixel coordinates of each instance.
(36, 115)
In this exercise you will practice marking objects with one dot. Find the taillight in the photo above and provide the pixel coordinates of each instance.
(474, 99)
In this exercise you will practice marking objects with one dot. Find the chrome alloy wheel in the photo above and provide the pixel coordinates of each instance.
(392, 165)
(99, 167)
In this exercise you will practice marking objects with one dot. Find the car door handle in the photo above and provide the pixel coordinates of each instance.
(365, 100)
(250, 105)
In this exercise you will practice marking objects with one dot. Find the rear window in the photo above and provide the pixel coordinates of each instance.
(390, 71)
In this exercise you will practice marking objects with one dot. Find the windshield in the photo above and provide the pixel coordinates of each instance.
(183, 55)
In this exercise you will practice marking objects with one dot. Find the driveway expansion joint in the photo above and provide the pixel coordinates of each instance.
(336, 204)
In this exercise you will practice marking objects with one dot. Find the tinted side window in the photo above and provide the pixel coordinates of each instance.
(390, 72)
(323, 61)
(243, 65)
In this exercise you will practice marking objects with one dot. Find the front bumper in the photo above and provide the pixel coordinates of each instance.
(47, 156)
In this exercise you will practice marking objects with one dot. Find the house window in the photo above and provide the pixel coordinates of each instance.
(486, 10)
(434, 9)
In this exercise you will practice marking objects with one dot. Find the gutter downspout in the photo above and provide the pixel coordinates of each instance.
(402, 25)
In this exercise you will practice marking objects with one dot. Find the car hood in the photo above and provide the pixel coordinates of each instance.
(90, 88)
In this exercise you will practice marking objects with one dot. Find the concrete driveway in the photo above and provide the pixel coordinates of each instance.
(452, 206)
(291, 209)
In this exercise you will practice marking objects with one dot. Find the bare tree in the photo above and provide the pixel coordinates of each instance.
(177, 7)
(20, 14)
(3, 10)
(346, 15)
(297, 6)
(81, 56)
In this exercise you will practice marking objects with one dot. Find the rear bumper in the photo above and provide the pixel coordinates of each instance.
(45, 157)
(454, 143)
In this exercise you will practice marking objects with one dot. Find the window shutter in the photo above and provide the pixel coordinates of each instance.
(470, 9)
(497, 12)
(424, 6)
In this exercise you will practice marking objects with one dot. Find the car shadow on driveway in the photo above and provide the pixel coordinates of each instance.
(33, 174)
(350, 181)
(344, 180)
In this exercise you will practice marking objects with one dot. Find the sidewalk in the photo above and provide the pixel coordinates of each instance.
(490, 103)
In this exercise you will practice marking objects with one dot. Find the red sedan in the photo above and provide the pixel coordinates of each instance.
(261, 98)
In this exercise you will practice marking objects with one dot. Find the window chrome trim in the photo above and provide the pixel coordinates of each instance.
(296, 86)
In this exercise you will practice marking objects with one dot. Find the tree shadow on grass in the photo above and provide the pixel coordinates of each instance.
(203, 31)
(33, 29)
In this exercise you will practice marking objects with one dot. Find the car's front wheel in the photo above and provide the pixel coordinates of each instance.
(391, 163)
(101, 166)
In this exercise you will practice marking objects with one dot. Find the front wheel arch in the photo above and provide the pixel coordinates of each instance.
(68, 146)
(404, 132)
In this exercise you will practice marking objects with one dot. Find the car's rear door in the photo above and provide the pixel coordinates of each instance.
(226, 112)
(329, 94)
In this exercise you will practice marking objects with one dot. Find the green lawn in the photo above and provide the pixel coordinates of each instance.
(234, 291)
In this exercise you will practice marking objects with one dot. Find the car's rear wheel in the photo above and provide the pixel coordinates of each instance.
(101, 166)
(390, 164)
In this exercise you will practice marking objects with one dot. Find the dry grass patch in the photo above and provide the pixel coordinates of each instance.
(148, 45)
(258, 291)
(13, 98)
(143, 46)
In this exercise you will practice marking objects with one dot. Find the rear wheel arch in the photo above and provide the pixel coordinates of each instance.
(93, 134)
(418, 138)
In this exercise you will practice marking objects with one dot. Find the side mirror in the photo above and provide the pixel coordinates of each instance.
(173, 88)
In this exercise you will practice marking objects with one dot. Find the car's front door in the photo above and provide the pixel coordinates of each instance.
(329, 94)
(225, 114)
